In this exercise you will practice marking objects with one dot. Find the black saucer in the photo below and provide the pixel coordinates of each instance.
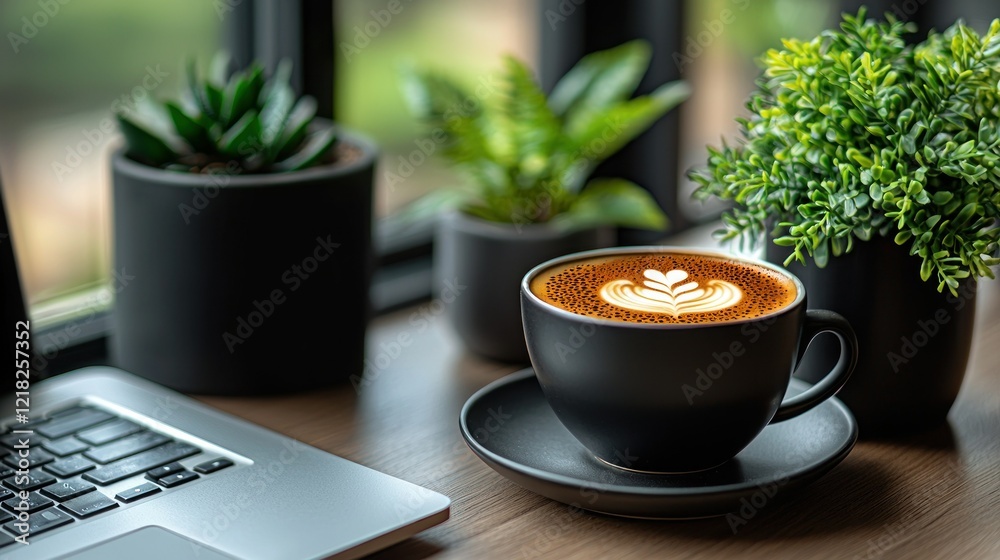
(511, 427)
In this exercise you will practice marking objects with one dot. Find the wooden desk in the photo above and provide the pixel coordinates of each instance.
(932, 497)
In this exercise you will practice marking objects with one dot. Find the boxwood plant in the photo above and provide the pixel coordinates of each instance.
(857, 133)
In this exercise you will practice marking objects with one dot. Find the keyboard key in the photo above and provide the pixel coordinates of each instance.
(67, 490)
(209, 467)
(35, 502)
(89, 504)
(5, 539)
(5, 471)
(65, 446)
(124, 468)
(12, 441)
(5, 517)
(34, 422)
(176, 479)
(160, 472)
(66, 411)
(139, 492)
(69, 466)
(109, 432)
(5, 493)
(122, 448)
(32, 481)
(65, 425)
(45, 520)
(36, 458)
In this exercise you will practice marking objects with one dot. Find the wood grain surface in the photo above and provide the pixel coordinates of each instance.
(932, 496)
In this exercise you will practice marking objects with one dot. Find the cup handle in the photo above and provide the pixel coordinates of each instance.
(820, 321)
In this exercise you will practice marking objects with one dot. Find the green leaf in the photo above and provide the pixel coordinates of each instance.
(428, 207)
(926, 268)
(213, 99)
(612, 202)
(143, 145)
(942, 197)
(433, 97)
(316, 147)
(189, 128)
(196, 91)
(294, 131)
(218, 69)
(274, 115)
(600, 79)
(240, 95)
(243, 138)
(533, 127)
(821, 254)
(599, 134)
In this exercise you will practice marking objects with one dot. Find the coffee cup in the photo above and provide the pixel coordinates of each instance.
(670, 360)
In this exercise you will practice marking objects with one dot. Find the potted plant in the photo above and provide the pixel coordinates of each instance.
(244, 224)
(528, 158)
(874, 162)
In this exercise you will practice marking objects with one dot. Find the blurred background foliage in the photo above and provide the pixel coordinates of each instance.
(60, 87)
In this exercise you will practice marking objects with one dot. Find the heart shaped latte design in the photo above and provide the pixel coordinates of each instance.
(669, 293)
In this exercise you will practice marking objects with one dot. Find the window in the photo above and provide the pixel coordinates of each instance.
(463, 38)
(66, 67)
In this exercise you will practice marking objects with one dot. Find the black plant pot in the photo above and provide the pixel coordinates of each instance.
(485, 261)
(243, 284)
(914, 341)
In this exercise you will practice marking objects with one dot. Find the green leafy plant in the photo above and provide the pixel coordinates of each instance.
(244, 119)
(529, 156)
(856, 133)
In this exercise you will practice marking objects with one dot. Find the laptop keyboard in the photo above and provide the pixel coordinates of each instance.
(77, 458)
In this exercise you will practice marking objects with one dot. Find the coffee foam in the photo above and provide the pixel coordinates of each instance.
(664, 288)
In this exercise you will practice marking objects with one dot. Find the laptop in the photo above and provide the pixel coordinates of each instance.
(101, 464)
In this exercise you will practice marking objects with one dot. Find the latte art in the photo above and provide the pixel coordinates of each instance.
(669, 293)
(664, 287)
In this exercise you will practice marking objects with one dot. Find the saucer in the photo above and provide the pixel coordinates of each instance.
(511, 427)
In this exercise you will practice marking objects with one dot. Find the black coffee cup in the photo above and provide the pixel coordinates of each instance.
(669, 398)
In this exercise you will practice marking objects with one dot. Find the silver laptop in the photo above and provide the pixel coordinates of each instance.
(105, 465)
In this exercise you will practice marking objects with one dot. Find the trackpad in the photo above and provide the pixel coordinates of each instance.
(149, 543)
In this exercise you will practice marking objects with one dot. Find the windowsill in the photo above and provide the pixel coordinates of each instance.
(75, 327)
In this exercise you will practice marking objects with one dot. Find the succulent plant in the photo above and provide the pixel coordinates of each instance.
(244, 122)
